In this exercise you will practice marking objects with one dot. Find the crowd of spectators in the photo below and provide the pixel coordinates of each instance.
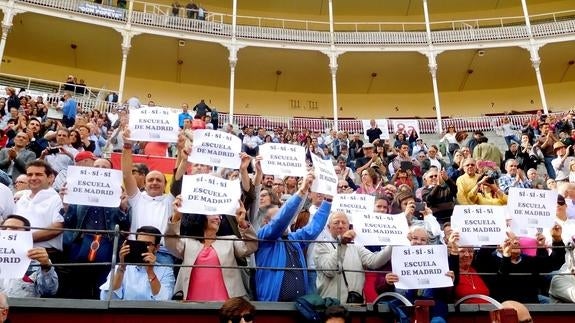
(278, 217)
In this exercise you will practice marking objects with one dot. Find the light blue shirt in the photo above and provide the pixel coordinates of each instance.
(136, 286)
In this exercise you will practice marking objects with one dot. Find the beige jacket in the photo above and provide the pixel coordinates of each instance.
(227, 250)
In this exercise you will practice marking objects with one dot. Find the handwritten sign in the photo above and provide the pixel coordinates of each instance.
(93, 186)
(207, 194)
(421, 267)
(283, 160)
(479, 224)
(14, 246)
(405, 126)
(353, 203)
(375, 229)
(154, 124)
(216, 148)
(531, 208)
(54, 113)
(381, 124)
(325, 178)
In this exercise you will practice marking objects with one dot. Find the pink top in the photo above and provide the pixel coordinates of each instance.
(156, 149)
(207, 284)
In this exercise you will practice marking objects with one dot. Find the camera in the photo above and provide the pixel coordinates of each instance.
(419, 208)
(54, 150)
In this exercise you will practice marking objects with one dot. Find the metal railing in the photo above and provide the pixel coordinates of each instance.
(317, 32)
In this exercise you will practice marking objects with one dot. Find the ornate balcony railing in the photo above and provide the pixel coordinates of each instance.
(315, 32)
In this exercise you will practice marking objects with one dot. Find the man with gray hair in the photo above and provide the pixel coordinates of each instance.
(3, 308)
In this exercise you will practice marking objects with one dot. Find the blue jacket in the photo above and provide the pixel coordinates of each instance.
(273, 254)
(70, 108)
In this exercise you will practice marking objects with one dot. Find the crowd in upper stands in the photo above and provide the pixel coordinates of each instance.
(277, 217)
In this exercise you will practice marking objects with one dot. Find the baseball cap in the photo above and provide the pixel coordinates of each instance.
(83, 156)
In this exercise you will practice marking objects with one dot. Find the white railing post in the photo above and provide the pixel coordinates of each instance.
(9, 14)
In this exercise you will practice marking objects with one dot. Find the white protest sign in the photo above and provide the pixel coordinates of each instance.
(405, 126)
(283, 159)
(93, 186)
(54, 113)
(325, 178)
(207, 194)
(381, 124)
(479, 224)
(375, 229)
(156, 124)
(531, 208)
(353, 203)
(216, 148)
(420, 267)
(13, 252)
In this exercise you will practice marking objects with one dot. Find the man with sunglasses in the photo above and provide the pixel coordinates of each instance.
(140, 282)
(467, 181)
(439, 194)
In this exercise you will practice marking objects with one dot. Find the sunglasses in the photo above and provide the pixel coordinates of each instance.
(247, 318)
(343, 186)
(561, 203)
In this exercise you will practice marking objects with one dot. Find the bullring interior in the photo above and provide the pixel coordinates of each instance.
(379, 61)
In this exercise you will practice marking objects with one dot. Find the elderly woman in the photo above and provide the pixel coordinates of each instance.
(214, 279)
(467, 281)
(418, 236)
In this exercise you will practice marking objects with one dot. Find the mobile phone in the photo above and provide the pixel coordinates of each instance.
(351, 226)
(419, 208)
(137, 248)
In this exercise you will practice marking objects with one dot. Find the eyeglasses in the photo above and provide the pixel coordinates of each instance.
(343, 186)
(561, 203)
(432, 176)
(247, 318)
(469, 165)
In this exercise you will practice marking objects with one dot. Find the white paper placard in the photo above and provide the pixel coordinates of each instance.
(479, 224)
(406, 126)
(376, 229)
(54, 113)
(283, 159)
(207, 194)
(155, 124)
(14, 246)
(93, 186)
(381, 124)
(353, 203)
(421, 267)
(531, 208)
(325, 178)
(216, 148)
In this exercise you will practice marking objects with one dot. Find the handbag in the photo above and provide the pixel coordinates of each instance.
(352, 297)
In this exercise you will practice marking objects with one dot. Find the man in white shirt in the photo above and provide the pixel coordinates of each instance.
(42, 206)
(151, 207)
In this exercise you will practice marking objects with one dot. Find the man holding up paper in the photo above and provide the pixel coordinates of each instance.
(151, 207)
(41, 279)
(351, 257)
(286, 285)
